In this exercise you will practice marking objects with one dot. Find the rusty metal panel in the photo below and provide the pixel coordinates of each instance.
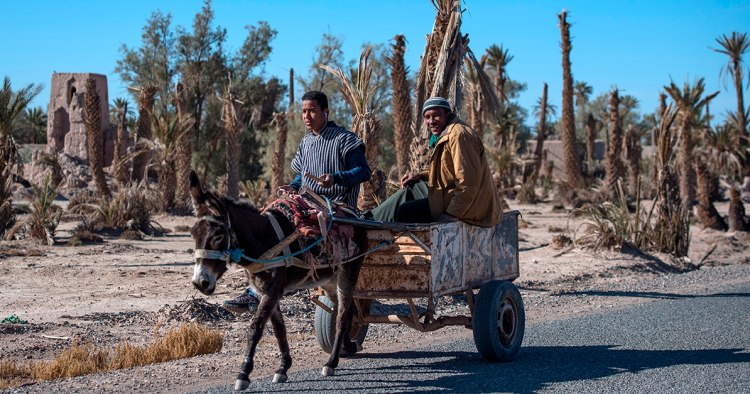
(505, 248)
(447, 253)
(395, 278)
(477, 255)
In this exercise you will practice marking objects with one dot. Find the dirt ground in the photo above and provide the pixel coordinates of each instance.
(120, 289)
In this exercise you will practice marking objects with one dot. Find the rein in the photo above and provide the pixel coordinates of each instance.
(236, 254)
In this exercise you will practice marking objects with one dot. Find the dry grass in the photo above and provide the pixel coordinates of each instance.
(82, 359)
(44, 216)
(181, 228)
(256, 192)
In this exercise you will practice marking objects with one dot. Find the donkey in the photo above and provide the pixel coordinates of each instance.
(224, 225)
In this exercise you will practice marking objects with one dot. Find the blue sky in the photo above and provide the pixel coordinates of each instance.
(637, 46)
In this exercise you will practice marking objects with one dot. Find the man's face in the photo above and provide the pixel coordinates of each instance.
(314, 118)
(436, 119)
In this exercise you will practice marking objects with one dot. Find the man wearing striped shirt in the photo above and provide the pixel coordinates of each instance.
(329, 152)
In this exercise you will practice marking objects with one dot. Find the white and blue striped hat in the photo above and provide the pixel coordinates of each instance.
(436, 102)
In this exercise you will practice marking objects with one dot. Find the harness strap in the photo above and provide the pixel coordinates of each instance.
(279, 235)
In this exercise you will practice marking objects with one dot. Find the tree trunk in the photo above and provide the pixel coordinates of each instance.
(705, 208)
(233, 127)
(402, 119)
(687, 173)
(291, 89)
(368, 129)
(167, 186)
(93, 114)
(145, 106)
(614, 165)
(591, 141)
(540, 136)
(277, 160)
(120, 168)
(634, 149)
(184, 147)
(570, 144)
(741, 121)
(737, 219)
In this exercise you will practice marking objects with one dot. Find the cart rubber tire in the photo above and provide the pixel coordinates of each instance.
(325, 326)
(498, 321)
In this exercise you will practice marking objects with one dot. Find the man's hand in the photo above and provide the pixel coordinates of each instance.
(410, 178)
(447, 218)
(327, 181)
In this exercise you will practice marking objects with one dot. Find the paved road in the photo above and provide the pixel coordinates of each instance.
(691, 344)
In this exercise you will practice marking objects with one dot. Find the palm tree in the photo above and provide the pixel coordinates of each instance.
(735, 46)
(689, 101)
(232, 116)
(118, 113)
(92, 113)
(143, 130)
(591, 124)
(11, 104)
(401, 104)
(705, 208)
(498, 59)
(277, 159)
(570, 144)
(633, 149)
(184, 147)
(614, 165)
(581, 92)
(543, 109)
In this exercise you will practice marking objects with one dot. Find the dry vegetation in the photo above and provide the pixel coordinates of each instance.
(185, 341)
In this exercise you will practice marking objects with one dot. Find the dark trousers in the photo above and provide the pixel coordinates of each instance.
(408, 205)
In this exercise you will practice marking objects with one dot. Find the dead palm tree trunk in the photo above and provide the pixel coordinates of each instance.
(233, 126)
(737, 219)
(705, 208)
(184, 148)
(145, 107)
(277, 160)
(686, 159)
(291, 89)
(440, 75)
(570, 144)
(614, 165)
(93, 114)
(401, 105)
(121, 169)
(633, 153)
(541, 135)
(591, 141)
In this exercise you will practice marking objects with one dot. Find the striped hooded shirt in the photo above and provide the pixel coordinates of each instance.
(325, 153)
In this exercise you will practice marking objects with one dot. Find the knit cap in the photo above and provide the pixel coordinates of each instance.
(436, 102)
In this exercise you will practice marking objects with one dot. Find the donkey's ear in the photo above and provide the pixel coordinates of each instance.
(215, 207)
(197, 194)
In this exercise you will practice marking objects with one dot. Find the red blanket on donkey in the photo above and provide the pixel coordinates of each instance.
(303, 210)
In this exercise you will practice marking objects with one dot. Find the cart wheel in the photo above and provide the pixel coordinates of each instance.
(498, 321)
(325, 326)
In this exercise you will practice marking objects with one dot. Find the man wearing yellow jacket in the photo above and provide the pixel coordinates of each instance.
(459, 182)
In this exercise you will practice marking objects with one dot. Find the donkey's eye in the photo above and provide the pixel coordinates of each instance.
(218, 240)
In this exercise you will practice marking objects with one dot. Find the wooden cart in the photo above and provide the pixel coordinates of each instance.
(409, 261)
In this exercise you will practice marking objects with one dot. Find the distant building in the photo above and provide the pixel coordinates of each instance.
(66, 127)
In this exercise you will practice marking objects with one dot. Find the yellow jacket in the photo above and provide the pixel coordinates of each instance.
(459, 179)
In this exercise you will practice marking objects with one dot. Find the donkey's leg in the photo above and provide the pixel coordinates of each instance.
(279, 331)
(346, 284)
(266, 308)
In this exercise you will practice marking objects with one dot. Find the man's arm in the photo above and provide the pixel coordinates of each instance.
(467, 166)
(297, 182)
(359, 171)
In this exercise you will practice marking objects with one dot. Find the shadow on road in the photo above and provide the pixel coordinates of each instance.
(653, 294)
(535, 368)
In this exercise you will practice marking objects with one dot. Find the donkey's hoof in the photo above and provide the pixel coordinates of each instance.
(327, 371)
(279, 378)
(240, 385)
(359, 347)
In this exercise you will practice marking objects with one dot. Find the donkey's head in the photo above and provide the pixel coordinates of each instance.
(212, 237)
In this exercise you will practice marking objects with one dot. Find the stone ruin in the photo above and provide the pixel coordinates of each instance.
(66, 127)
